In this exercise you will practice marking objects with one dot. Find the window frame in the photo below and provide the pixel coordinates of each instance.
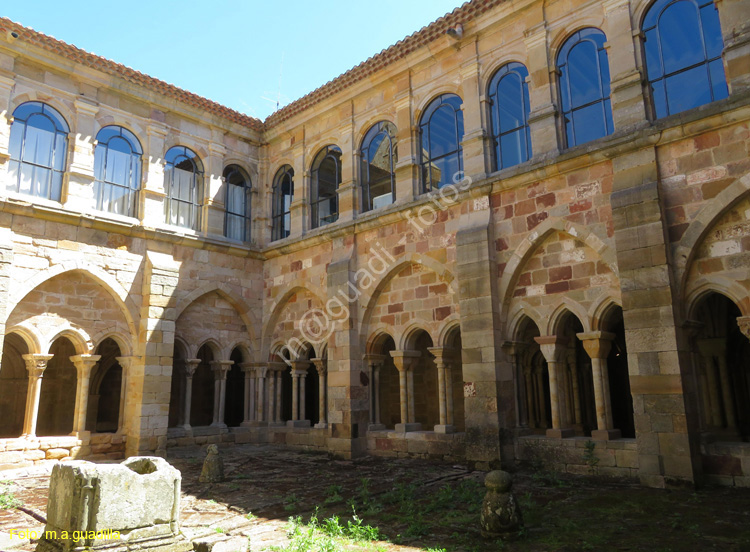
(425, 163)
(135, 170)
(564, 87)
(57, 158)
(195, 202)
(496, 134)
(389, 131)
(325, 153)
(246, 215)
(661, 6)
(278, 213)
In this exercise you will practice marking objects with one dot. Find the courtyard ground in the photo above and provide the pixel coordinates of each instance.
(414, 505)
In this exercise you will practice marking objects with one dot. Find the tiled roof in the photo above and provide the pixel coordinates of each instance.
(99, 63)
(402, 48)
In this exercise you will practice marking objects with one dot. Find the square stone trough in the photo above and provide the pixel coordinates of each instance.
(134, 505)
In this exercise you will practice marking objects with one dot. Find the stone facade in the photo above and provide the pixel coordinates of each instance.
(594, 292)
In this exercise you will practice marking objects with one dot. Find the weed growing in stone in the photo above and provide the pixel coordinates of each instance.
(7, 498)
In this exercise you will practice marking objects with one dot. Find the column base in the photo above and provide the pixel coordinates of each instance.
(404, 428)
(298, 423)
(445, 428)
(321, 425)
(376, 427)
(220, 425)
(560, 433)
(605, 434)
(255, 423)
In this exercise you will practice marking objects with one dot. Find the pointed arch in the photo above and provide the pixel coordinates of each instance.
(298, 285)
(226, 292)
(452, 323)
(600, 310)
(536, 237)
(558, 314)
(405, 340)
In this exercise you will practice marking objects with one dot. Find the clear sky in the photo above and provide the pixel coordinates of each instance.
(231, 50)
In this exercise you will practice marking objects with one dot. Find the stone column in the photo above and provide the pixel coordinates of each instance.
(530, 400)
(260, 371)
(734, 27)
(444, 390)
(191, 365)
(320, 366)
(553, 348)
(84, 364)
(403, 361)
(220, 368)
(597, 345)
(35, 366)
(249, 411)
(571, 361)
(375, 363)
(125, 363)
(299, 371)
(279, 369)
(274, 384)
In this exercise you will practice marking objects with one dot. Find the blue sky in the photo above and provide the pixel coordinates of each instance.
(231, 50)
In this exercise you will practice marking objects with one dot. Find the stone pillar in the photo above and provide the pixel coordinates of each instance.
(299, 372)
(274, 383)
(403, 361)
(347, 190)
(628, 106)
(153, 174)
(444, 389)
(542, 125)
(661, 379)
(554, 348)
(736, 31)
(84, 364)
(249, 411)
(279, 368)
(80, 173)
(214, 191)
(220, 368)
(375, 363)
(125, 363)
(474, 144)
(321, 367)
(407, 167)
(597, 345)
(35, 365)
(530, 398)
(485, 370)
(260, 416)
(191, 365)
(573, 368)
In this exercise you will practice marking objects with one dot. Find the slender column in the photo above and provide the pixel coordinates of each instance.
(376, 391)
(84, 364)
(249, 407)
(125, 363)
(299, 370)
(321, 365)
(574, 381)
(597, 345)
(220, 368)
(553, 348)
(273, 381)
(302, 395)
(279, 374)
(35, 366)
(438, 353)
(531, 416)
(191, 365)
(403, 361)
(260, 371)
(374, 362)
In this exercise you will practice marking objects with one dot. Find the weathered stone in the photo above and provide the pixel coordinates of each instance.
(213, 466)
(501, 514)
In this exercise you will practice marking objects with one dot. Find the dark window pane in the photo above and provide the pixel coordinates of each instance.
(688, 89)
(513, 148)
(510, 102)
(589, 123)
(584, 74)
(681, 41)
(443, 131)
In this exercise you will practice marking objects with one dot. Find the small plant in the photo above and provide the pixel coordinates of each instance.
(333, 495)
(290, 502)
(590, 457)
(250, 516)
(219, 530)
(7, 498)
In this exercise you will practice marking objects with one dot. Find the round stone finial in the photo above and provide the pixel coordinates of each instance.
(498, 481)
(212, 449)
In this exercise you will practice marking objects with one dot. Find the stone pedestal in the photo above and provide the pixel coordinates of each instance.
(405, 428)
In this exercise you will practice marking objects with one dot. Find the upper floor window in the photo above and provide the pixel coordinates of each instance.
(509, 116)
(683, 45)
(326, 177)
(117, 169)
(38, 148)
(378, 158)
(237, 219)
(183, 183)
(584, 87)
(441, 129)
(281, 210)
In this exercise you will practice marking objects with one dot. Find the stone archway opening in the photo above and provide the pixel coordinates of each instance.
(58, 393)
(14, 382)
(177, 387)
(386, 407)
(311, 390)
(426, 403)
(576, 383)
(619, 378)
(202, 402)
(723, 361)
(531, 366)
(105, 390)
(234, 409)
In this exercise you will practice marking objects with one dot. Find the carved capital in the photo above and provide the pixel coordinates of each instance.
(35, 364)
(321, 365)
(404, 359)
(191, 365)
(84, 364)
(596, 344)
(744, 323)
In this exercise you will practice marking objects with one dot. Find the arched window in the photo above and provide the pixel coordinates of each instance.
(378, 157)
(38, 147)
(183, 182)
(584, 87)
(117, 167)
(237, 220)
(326, 177)
(442, 130)
(683, 44)
(283, 195)
(509, 116)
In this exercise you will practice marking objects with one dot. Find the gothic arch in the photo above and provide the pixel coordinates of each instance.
(296, 286)
(449, 325)
(537, 236)
(226, 292)
(406, 339)
(723, 286)
(600, 311)
(558, 314)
